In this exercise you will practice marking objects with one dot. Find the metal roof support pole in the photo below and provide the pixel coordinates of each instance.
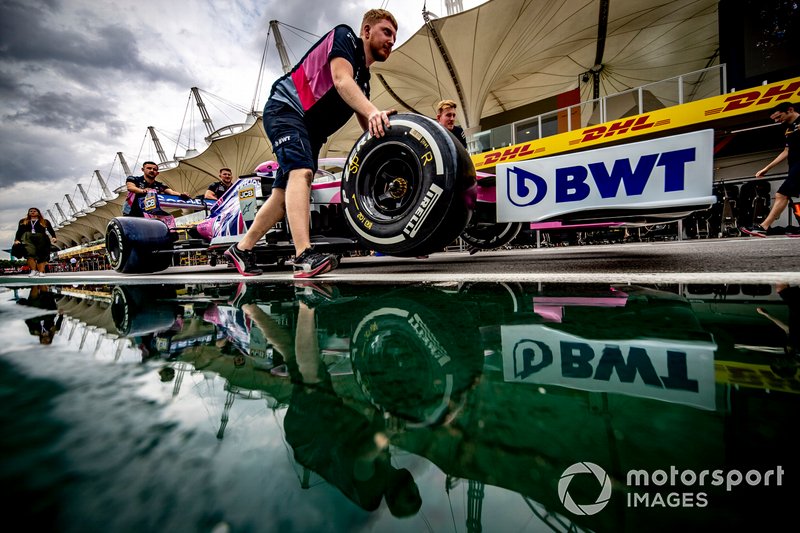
(106, 193)
(285, 63)
(71, 205)
(64, 217)
(84, 195)
(159, 149)
(203, 111)
(640, 95)
(125, 168)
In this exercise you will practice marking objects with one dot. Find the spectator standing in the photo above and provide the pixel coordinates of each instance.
(32, 233)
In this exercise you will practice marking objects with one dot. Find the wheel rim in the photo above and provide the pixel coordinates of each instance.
(392, 185)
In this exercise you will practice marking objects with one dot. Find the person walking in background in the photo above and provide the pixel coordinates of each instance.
(32, 233)
(316, 98)
(446, 116)
(785, 113)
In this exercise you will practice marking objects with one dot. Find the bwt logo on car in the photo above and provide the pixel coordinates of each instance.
(665, 172)
(572, 185)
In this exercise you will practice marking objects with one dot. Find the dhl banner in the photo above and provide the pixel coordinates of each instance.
(756, 99)
(754, 376)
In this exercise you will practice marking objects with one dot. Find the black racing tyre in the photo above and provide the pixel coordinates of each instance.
(132, 245)
(142, 309)
(410, 192)
(488, 236)
(410, 361)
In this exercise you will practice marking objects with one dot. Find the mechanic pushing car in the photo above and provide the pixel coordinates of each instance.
(316, 98)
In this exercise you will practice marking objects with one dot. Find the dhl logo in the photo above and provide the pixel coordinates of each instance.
(757, 99)
(619, 127)
(768, 96)
(512, 152)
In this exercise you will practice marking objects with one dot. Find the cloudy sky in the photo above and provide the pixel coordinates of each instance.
(81, 80)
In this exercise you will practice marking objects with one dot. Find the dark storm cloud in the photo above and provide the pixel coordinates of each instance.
(28, 37)
(67, 112)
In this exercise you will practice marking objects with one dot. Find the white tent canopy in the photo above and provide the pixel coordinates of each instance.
(508, 53)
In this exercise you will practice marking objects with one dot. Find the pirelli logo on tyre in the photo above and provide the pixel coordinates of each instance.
(424, 209)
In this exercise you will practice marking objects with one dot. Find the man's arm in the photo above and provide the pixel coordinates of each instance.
(781, 156)
(370, 117)
(132, 187)
(210, 195)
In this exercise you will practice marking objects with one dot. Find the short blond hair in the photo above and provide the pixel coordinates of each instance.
(444, 104)
(374, 16)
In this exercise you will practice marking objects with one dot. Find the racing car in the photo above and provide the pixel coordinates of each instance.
(409, 193)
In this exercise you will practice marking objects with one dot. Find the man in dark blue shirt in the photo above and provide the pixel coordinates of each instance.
(138, 187)
(305, 106)
(786, 113)
(218, 188)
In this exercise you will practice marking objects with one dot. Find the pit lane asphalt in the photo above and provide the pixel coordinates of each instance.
(735, 260)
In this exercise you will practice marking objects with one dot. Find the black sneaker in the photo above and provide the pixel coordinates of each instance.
(243, 260)
(313, 294)
(756, 230)
(242, 296)
(310, 263)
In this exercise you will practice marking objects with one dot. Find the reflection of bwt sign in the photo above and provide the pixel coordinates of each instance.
(602, 498)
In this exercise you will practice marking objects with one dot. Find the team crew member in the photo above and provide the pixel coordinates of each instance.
(446, 116)
(785, 113)
(305, 106)
(139, 185)
(218, 188)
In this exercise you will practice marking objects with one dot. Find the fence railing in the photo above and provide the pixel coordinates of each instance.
(670, 92)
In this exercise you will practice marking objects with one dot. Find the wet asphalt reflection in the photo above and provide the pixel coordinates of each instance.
(439, 406)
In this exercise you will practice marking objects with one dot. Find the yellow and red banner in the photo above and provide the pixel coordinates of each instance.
(699, 113)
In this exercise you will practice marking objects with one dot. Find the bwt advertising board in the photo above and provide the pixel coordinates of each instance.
(662, 173)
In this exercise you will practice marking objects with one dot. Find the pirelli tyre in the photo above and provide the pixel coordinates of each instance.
(142, 309)
(488, 236)
(133, 245)
(410, 361)
(410, 192)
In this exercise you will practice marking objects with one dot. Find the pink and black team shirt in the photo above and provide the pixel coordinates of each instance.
(308, 88)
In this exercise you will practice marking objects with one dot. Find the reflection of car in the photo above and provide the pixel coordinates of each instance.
(409, 193)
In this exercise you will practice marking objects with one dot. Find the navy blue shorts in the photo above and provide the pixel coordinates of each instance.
(291, 143)
(791, 187)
